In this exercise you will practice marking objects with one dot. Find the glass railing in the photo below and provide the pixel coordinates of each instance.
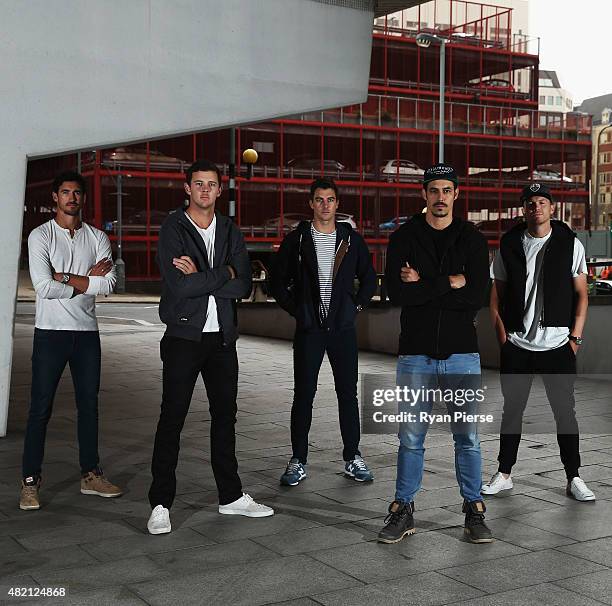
(422, 114)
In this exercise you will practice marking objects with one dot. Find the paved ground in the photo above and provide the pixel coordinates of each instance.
(320, 546)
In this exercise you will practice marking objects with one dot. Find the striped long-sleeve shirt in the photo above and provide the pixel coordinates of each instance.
(325, 247)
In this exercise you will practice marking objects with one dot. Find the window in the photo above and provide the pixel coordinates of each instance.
(542, 120)
(605, 158)
(559, 101)
(605, 178)
(545, 82)
(551, 100)
(542, 99)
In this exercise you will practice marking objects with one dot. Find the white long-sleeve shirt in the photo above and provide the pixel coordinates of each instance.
(51, 248)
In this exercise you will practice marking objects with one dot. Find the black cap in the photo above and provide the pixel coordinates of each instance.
(440, 171)
(536, 189)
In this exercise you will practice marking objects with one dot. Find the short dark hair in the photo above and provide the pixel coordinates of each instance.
(322, 183)
(69, 175)
(202, 165)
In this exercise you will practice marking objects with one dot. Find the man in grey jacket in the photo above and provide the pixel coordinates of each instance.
(205, 267)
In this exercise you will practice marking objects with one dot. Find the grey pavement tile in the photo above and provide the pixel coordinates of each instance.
(516, 571)
(107, 574)
(102, 597)
(354, 491)
(545, 594)
(597, 586)
(9, 547)
(508, 505)
(258, 583)
(312, 539)
(297, 602)
(184, 561)
(579, 521)
(233, 528)
(587, 473)
(73, 534)
(43, 559)
(427, 589)
(525, 536)
(126, 547)
(597, 550)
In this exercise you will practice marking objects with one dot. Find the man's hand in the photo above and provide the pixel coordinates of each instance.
(575, 347)
(185, 264)
(101, 268)
(232, 272)
(457, 281)
(409, 274)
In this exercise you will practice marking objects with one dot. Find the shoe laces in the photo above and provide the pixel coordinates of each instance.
(293, 466)
(29, 491)
(359, 463)
(395, 517)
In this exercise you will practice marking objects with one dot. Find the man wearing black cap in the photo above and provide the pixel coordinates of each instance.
(538, 307)
(437, 271)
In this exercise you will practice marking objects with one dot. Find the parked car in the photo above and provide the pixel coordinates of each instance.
(137, 158)
(545, 174)
(603, 287)
(494, 86)
(312, 166)
(393, 223)
(401, 170)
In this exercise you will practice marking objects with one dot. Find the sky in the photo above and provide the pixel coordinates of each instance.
(576, 42)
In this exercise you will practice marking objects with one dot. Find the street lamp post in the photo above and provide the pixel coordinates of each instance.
(425, 41)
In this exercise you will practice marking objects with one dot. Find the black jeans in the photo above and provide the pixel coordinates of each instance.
(52, 350)
(558, 370)
(308, 352)
(183, 361)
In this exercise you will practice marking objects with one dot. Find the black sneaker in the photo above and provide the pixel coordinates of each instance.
(398, 524)
(475, 528)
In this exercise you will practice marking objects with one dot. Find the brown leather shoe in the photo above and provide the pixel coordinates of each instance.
(94, 482)
(28, 499)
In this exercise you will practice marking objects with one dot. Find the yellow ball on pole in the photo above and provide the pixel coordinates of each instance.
(249, 156)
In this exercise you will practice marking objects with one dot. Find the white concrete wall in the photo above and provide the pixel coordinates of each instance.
(82, 74)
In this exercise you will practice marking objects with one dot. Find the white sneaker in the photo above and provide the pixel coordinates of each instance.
(579, 490)
(159, 522)
(497, 484)
(246, 506)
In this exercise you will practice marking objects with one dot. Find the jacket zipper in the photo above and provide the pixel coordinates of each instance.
(440, 310)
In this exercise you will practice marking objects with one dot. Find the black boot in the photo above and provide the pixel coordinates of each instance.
(398, 524)
(475, 528)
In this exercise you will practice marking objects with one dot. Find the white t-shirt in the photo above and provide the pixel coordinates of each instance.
(208, 235)
(52, 248)
(547, 337)
(325, 246)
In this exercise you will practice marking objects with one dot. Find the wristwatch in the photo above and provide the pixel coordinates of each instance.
(359, 308)
(575, 339)
(65, 278)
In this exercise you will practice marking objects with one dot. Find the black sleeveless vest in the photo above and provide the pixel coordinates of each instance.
(559, 294)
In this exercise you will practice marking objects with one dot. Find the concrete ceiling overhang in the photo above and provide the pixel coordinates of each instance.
(385, 7)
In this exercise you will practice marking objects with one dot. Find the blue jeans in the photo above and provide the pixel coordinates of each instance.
(52, 350)
(432, 373)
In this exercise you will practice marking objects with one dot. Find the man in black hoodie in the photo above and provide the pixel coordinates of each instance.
(437, 271)
(204, 267)
(313, 279)
(539, 306)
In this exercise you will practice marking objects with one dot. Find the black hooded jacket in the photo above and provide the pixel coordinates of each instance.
(294, 279)
(184, 301)
(436, 320)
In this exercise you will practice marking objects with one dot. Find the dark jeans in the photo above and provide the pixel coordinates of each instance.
(52, 350)
(558, 370)
(308, 352)
(183, 361)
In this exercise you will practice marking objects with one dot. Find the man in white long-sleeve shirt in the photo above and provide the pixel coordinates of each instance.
(70, 263)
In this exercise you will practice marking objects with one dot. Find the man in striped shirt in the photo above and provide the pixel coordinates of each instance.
(313, 279)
